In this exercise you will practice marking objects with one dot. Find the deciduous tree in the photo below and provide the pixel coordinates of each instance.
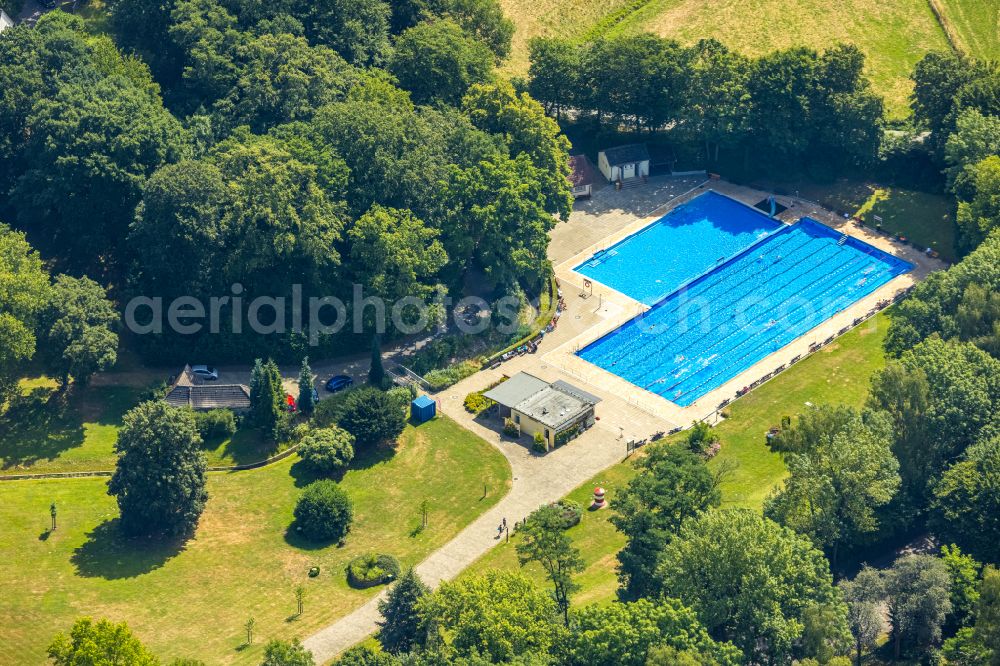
(24, 292)
(918, 595)
(78, 327)
(672, 486)
(101, 643)
(159, 480)
(841, 469)
(627, 634)
(749, 580)
(372, 417)
(498, 615)
(543, 540)
(437, 62)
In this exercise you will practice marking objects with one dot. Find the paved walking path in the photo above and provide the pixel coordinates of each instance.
(625, 413)
(536, 480)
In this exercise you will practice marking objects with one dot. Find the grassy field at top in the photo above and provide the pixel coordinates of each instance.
(192, 599)
(894, 34)
(839, 373)
(975, 25)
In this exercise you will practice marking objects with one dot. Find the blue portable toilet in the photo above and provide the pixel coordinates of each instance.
(422, 409)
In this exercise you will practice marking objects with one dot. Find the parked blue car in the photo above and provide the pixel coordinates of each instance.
(339, 383)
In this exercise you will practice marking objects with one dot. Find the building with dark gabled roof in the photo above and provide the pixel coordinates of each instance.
(194, 393)
(624, 163)
(582, 176)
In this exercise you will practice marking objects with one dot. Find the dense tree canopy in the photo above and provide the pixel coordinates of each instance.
(750, 581)
(101, 643)
(841, 469)
(959, 303)
(940, 395)
(372, 417)
(626, 633)
(918, 598)
(437, 62)
(78, 325)
(498, 615)
(92, 146)
(672, 486)
(159, 481)
(966, 503)
(782, 106)
(24, 292)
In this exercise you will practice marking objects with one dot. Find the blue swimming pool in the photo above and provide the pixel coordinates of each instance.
(703, 335)
(678, 247)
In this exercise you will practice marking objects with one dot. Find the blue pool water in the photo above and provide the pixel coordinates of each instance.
(703, 335)
(681, 245)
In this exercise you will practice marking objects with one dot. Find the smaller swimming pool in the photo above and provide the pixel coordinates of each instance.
(689, 240)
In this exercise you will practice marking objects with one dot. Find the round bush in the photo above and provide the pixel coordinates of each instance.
(215, 423)
(373, 417)
(371, 569)
(324, 512)
(571, 511)
(327, 450)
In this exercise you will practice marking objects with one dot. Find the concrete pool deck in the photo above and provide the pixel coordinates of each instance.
(613, 309)
(626, 411)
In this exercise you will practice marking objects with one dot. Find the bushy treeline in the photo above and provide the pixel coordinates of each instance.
(782, 106)
(317, 144)
(957, 99)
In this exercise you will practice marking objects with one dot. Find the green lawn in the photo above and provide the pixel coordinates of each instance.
(192, 600)
(976, 24)
(46, 432)
(839, 373)
(926, 219)
(894, 34)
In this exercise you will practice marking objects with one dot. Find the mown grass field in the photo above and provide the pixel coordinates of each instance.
(893, 34)
(46, 432)
(839, 373)
(925, 218)
(975, 24)
(192, 599)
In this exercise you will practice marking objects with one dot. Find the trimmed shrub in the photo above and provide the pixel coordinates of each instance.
(571, 511)
(327, 450)
(539, 443)
(476, 403)
(328, 411)
(215, 423)
(373, 417)
(701, 437)
(324, 512)
(510, 428)
(371, 569)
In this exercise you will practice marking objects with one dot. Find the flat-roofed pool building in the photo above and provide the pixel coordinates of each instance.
(558, 411)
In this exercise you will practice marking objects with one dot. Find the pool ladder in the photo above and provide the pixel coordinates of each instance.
(842, 240)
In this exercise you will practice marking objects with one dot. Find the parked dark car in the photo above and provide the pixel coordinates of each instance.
(205, 372)
(339, 383)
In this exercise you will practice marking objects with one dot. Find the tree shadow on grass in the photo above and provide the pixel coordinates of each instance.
(111, 555)
(296, 539)
(39, 426)
(363, 459)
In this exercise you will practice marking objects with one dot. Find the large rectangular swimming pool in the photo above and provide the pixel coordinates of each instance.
(680, 246)
(705, 334)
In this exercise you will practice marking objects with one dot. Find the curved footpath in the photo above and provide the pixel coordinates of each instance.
(536, 480)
